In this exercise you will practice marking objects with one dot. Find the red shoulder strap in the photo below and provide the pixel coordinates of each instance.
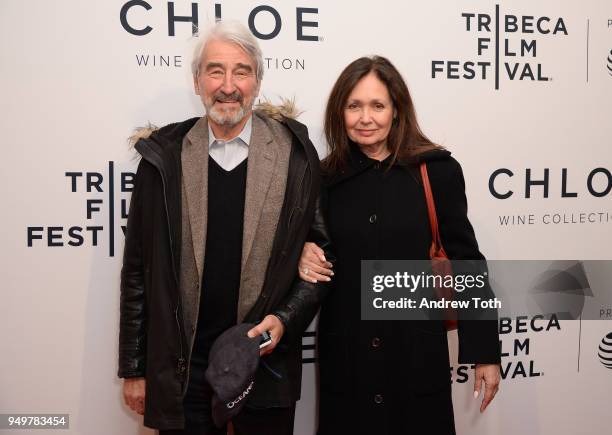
(436, 249)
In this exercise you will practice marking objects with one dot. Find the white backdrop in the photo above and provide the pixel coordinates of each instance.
(75, 85)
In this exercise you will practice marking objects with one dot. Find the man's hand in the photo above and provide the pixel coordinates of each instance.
(489, 373)
(134, 394)
(276, 328)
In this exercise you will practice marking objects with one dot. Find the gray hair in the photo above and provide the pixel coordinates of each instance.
(236, 33)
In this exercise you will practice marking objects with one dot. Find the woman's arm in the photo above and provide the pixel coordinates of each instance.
(478, 339)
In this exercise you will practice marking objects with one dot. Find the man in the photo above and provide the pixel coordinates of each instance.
(219, 213)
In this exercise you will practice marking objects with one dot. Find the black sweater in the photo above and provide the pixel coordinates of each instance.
(221, 277)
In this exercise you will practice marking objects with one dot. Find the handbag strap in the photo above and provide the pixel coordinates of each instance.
(436, 242)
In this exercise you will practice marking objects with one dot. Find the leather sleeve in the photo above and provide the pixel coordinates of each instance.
(132, 323)
(478, 339)
(299, 308)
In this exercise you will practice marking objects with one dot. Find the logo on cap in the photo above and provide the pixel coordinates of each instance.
(245, 393)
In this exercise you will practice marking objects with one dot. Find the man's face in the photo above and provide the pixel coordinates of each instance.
(226, 83)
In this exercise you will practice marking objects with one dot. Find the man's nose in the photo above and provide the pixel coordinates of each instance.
(228, 86)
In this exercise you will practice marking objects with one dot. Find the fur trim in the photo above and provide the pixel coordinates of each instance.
(141, 133)
(286, 109)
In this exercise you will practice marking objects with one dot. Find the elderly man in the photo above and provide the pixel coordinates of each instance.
(221, 208)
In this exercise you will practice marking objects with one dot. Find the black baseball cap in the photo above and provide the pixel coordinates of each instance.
(232, 364)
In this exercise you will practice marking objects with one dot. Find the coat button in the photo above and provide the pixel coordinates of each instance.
(376, 342)
(378, 399)
(373, 218)
(377, 165)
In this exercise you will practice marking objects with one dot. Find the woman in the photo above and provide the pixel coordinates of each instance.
(388, 377)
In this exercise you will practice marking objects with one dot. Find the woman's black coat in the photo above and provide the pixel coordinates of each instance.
(392, 377)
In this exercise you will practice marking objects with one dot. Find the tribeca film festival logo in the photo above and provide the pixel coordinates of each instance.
(505, 46)
(265, 23)
(103, 187)
(516, 349)
(559, 183)
(558, 292)
(518, 362)
(103, 192)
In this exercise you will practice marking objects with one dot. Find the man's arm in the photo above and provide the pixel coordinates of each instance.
(300, 306)
(132, 316)
(132, 323)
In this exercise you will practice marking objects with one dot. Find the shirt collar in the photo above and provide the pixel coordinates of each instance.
(244, 136)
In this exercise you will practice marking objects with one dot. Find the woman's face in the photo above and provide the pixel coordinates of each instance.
(368, 113)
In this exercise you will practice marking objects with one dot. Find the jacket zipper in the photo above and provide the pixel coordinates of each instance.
(181, 360)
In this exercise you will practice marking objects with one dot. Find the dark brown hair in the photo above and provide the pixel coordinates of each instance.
(405, 140)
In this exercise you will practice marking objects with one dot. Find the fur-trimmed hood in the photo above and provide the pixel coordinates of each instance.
(279, 112)
(287, 109)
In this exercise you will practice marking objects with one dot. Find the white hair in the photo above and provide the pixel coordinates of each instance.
(236, 33)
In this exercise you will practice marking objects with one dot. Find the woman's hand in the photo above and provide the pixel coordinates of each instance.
(313, 266)
(489, 373)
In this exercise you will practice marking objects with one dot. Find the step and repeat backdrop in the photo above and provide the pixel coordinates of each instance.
(520, 92)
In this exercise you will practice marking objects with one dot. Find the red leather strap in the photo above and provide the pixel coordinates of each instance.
(436, 249)
(439, 260)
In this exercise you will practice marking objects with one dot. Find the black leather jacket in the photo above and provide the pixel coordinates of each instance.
(152, 343)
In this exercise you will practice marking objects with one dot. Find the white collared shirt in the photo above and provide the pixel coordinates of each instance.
(230, 153)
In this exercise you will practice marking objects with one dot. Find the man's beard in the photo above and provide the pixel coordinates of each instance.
(229, 116)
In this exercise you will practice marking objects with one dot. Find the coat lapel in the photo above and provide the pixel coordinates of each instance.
(194, 160)
(260, 168)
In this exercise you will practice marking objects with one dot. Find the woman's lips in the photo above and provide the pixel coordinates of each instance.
(365, 132)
